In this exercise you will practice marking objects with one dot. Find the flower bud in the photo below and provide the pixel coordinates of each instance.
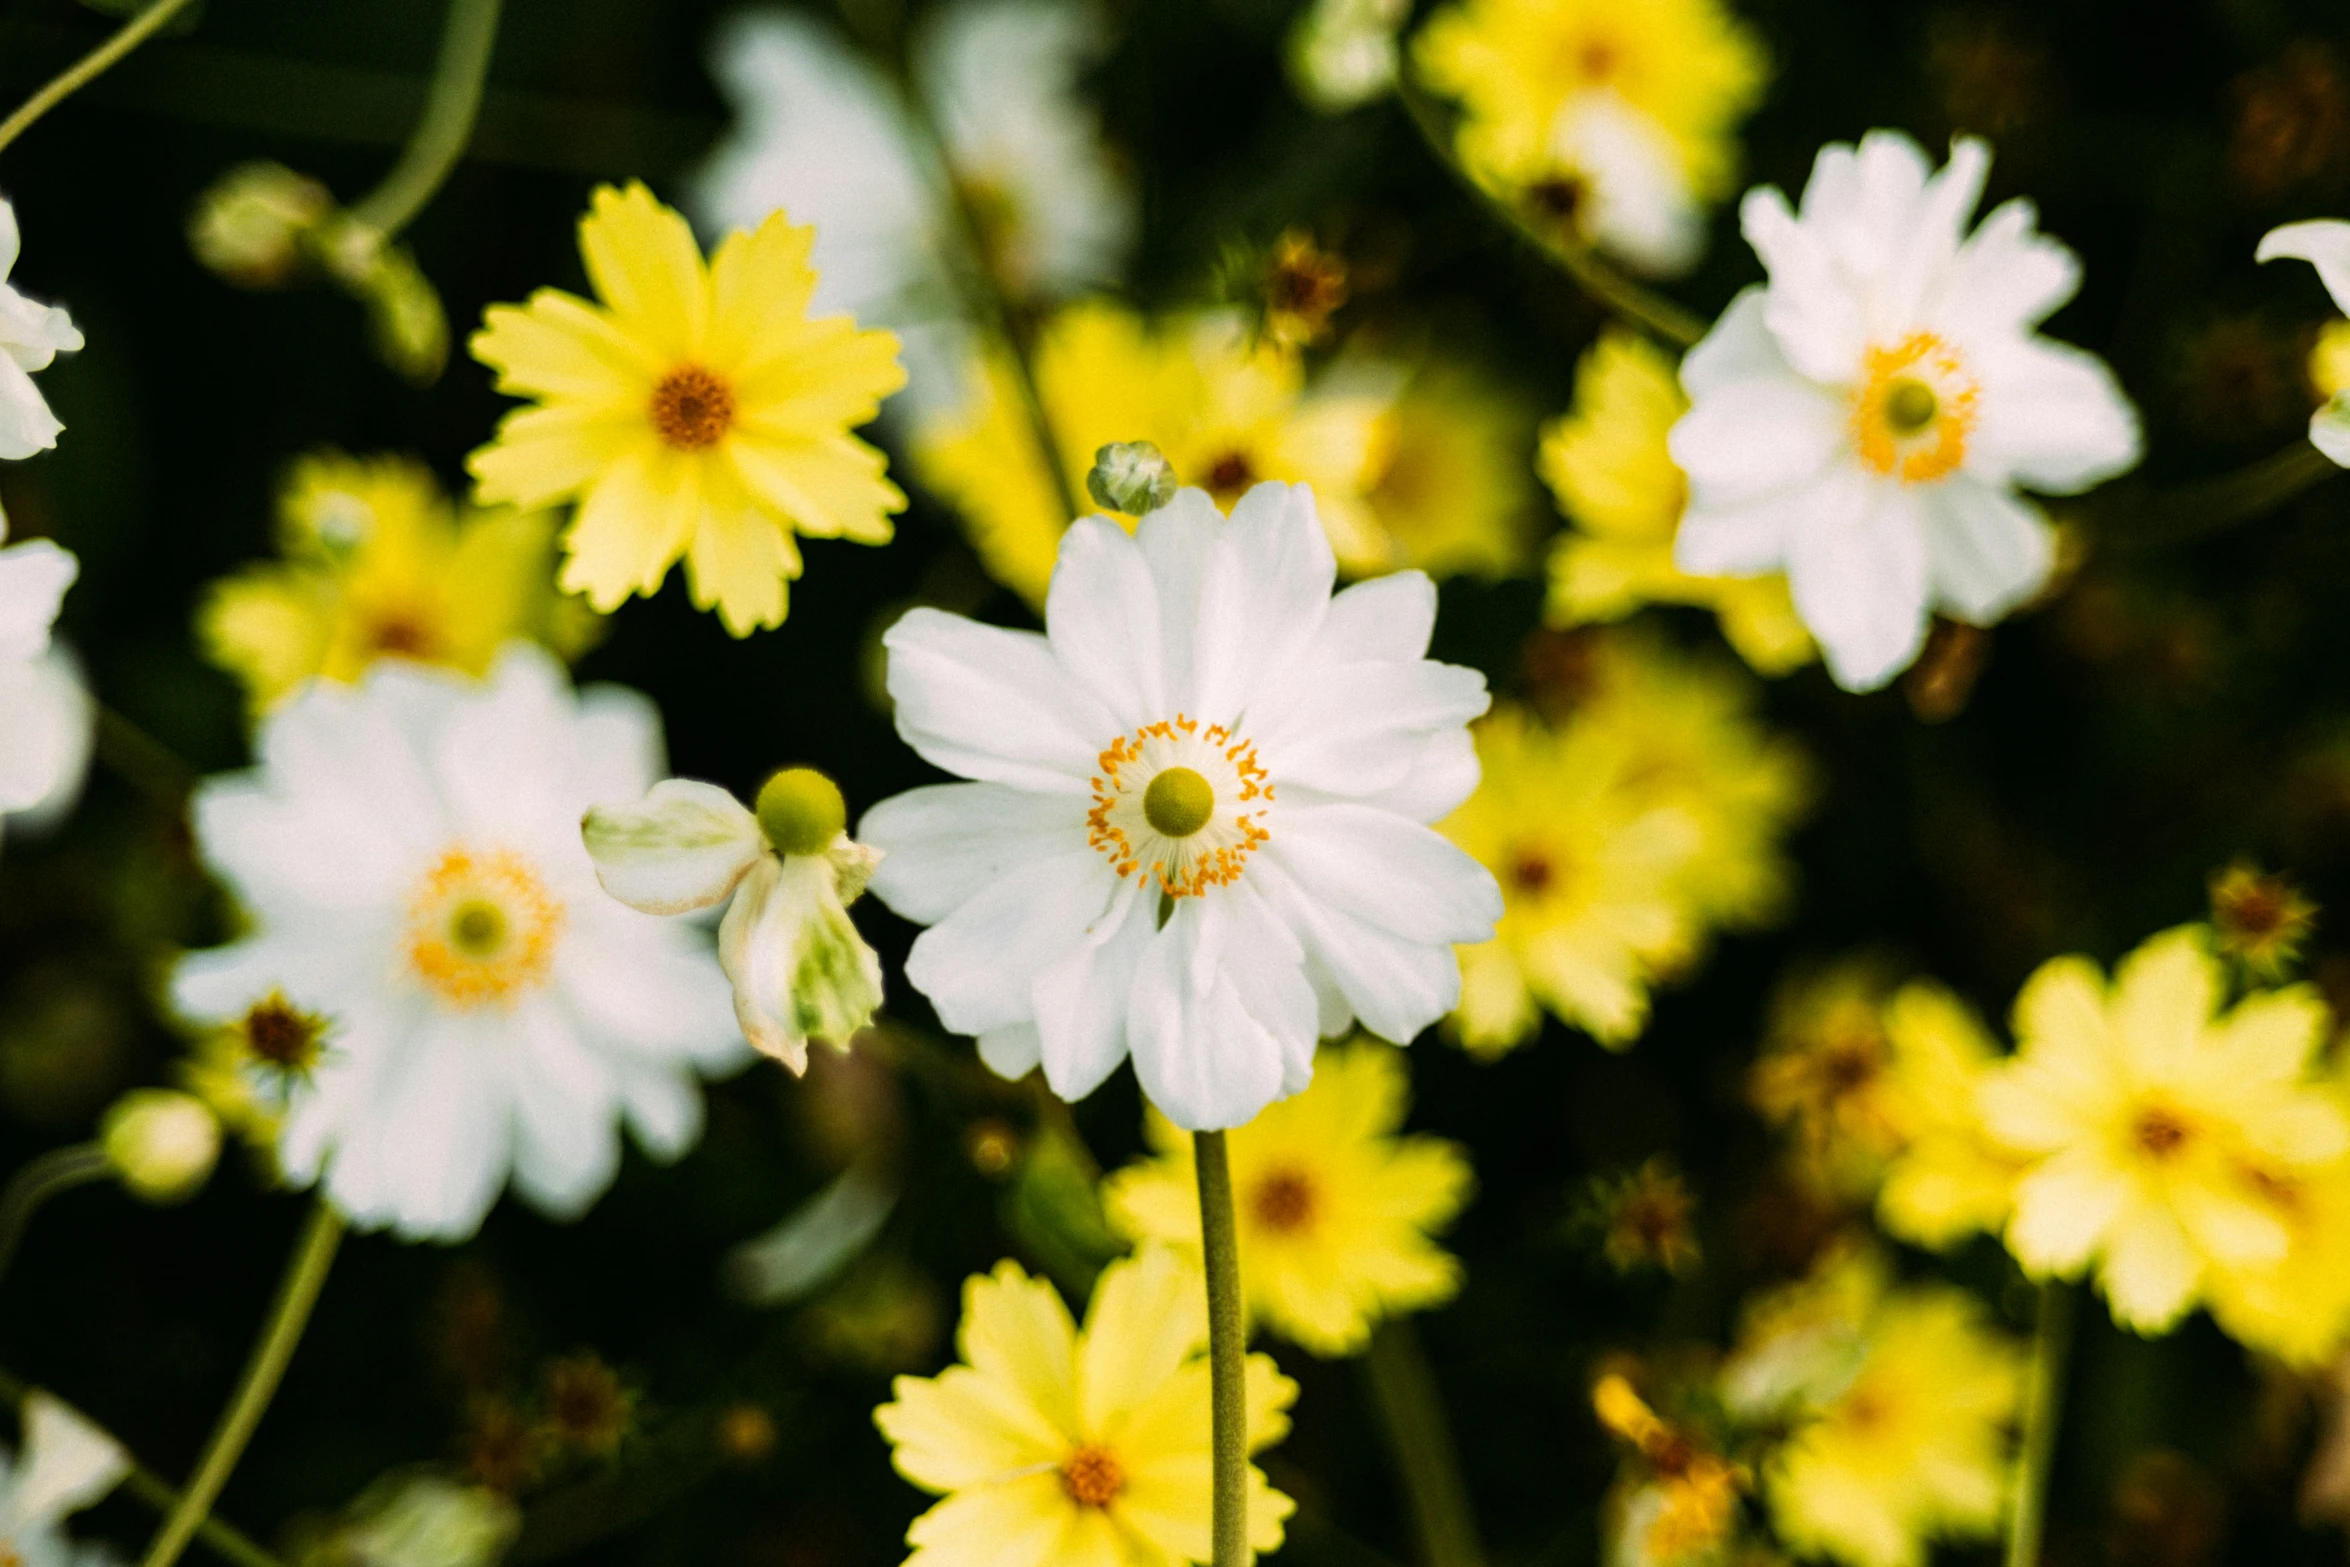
(801, 811)
(1131, 476)
(161, 1142)
(253, 225)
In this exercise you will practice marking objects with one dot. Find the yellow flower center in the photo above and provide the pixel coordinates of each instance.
(1914, 409)
(1283, 1201)
(692, 408)
(1179, 806)
(1092, 1478)
(482, 927)
(2159, 1131)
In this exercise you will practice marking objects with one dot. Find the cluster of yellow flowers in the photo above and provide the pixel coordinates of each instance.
(1623, 834)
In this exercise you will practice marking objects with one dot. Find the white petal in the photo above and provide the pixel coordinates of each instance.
(1013, 1051)
(2053, 418)
(647, 989)
(1641, 206)
(1745, 439)
(2329, 432)
(685, 847)
(1267, 961)
(1389, 618)
(1393, 873)
(566, 1147)
(942, 844)
(978, 965)
(1102, 616)
(1738, 347)
(994, 705)
(1361, 728)
(47, 710)
(33, 579)
(1443, 776)
(1397, 987)
(26, 424)
(1177, 540)
(2324, 243)
(1988, 551)
(663, 1107)
(67, 1462)
(503, 755)
(1080, 1000)
(1813, 311)
(1262, 597)
(1857, 565)
(1200, 1057)
(2006, 277)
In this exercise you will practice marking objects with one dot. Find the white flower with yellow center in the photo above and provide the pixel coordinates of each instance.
(44, 707)
(798, 966)
(1197, 832)
(409, 852)
(65, 1464)
(31, 336)
(1864, 420)
(2325, 245)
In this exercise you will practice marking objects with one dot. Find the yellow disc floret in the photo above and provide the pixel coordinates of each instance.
(1179, 806)
(482, 927)
(801, 811)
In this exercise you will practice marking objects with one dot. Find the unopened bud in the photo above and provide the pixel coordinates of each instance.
(801, 811)
(161, 1142)
(253, 225)
(1131, 476)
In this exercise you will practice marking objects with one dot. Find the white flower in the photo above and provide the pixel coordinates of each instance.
(1862, 421)
(44, 708)
(409, 852)
(2324, 244)
(798, 966)
(66, 1464)
(1636, 198)
(31, 335)
(421, 1519)
(822, 135)
(1342, 53)
(1197, 832)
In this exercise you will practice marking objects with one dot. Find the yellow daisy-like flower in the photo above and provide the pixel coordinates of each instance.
(2155, 1125)
(1451, 498)
(1952, 1177)
(692, 411)
(1574, 100)
(2296, 1308)
(1678, 1500)
(1228, 413)
(1898, 1403)
(1826, 1075)
(1607, 465)
(1060, 1447)
(378, 565)
(1336, 1213)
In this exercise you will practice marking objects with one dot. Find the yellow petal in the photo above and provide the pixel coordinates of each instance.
(1149, 1315)
(961, 1429)
(559, 345)
(739, 562)
(630, 528)
(1018, 1523)
(816, 377)
(829, 487)
(644, 263)
(548, 454)
(1016, 1330)
(760, 282)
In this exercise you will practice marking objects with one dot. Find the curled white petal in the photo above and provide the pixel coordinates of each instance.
(683, 848)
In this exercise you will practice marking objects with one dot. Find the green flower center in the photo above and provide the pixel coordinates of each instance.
(1910, 406)
(801, 811)
(477, 928)
(1178, 802)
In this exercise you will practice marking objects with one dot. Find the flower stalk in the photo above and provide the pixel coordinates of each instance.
(314, 1254)
(57, 1171)
(2052, 1333)
(1227, 1350)
(450, 107)
(1403, 1388)
(90, 67)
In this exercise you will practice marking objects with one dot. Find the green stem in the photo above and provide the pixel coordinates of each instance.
(2052, 1334)
(2138, 519)
(145, 1485)
(1659, 316)
(144, 761)
(58, 1170)
(1227, 1350)
(89, 67)
(1404, 1389)
(306, 1273)
(467, 39)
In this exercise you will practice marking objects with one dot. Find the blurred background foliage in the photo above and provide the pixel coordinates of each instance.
(2067, 784)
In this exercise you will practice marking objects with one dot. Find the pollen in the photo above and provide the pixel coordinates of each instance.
(1092, 1477)
(1179, 806)
(1914, 409)
(482, 927)
(692, 408)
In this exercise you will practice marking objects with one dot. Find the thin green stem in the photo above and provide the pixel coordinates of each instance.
(145, 1485)
(41, 1178)
(467, 39)
(89, 67)
(306, 1273)
(154, 768)
(2139, 518)
(1657, 315)
(1403, 1388)
(1227, 1350)
(2052, 1333)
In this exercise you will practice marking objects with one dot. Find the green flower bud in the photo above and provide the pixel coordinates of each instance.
(801, 811)
(161, 1142)
(1132, 477)
(252, 225)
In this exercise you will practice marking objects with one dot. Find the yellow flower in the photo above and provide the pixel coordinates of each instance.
(1451, 497)
(1592, 879)
(1335, 1211)
(378, 565)
(695, 412)
(2145, 1113)
(1056, 1447)
(2298, 1307)
(1952, 1178)
(1227, 413)
(1898, 1402)
(1826, 1075)
(1550, 89)
(1679, 1502)
(1607, 465)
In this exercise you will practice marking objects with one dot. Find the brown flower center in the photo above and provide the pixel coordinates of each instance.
(1229, 475)
(2160, 1131)
(282, 1035)
(1531, 872)
(692, 408)
(1092, 1477)
(1283, 1202)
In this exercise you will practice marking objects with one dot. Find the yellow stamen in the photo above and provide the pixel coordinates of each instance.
(692, 408)
(1092, 1477)
(1914, 409)
(482, 927)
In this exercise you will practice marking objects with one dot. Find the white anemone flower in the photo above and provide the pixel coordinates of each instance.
(409, 852)
(2325, 245)
(65, 1464)
(822, 135)
(1196, 833)
(1864, 420)
(44, 707)
(31, 335)
(798, 967)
